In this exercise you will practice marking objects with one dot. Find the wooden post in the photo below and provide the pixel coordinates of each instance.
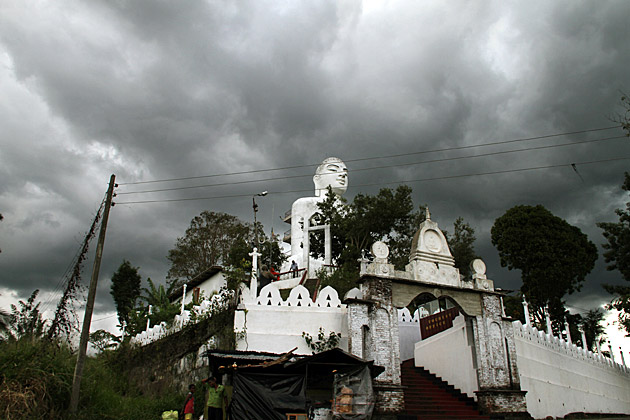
(89, 306)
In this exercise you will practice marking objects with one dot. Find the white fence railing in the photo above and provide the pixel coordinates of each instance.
(206, 308)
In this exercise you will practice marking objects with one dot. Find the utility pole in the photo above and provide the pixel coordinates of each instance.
(89, 306)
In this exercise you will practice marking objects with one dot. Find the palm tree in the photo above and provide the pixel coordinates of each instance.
(593, 328)
(158, 298)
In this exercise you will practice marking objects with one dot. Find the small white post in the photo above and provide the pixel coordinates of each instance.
(122, 336)
(568, 330)
(306, 246)
(327, 246)
(253, 282)
(548, 321)
(149, 317)
(526, 312)
(583, 334)
(623, 360)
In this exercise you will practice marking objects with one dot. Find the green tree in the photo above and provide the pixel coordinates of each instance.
(125, 290)
(25, 320)
(623, 117)
(387, 216)
(617, 255)
(513, 305)
(592, 323)
(462, 245)
(553, 256)
(103, 340)
(207, 242)
(158, 297)
(271, 254)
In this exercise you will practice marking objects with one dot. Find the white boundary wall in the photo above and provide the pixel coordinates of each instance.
(561, 378)
(271, 324)
(408, 332)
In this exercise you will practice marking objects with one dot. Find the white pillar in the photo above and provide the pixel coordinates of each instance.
(183, 299)
(623, 361)
(149, 317)
(583, 334)
(253, 282)
(548, 321)
(568, 330)
(122, 336)
(327, 246)
(306, 246)
(526, 312)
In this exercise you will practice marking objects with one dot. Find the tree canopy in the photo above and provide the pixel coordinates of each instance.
(388, 216)
(553, 256)
(462, 245)
(125, 290)
(207, 242)
(617, 255)
(24, 321)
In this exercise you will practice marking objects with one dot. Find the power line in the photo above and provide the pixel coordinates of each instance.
(374, 157)
(64, 277)
(526, 149)
(386, 183)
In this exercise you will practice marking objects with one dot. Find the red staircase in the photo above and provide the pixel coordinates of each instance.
(428, 397)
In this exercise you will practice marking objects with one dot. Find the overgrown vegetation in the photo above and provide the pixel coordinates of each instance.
(324, 342)
(36, 380)
(36, 374)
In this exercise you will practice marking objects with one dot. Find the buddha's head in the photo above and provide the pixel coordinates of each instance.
(331, 172)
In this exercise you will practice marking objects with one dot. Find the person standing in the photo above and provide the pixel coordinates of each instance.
(217, 399)
(189, 405)
(294, 268)
(274, 273)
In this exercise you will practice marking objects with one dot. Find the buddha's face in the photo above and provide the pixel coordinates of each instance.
(331, 172)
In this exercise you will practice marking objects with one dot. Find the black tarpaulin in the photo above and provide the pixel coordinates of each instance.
(353, 394)
(266, 396)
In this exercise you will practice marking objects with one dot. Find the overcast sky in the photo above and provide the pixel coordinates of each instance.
(152, 90)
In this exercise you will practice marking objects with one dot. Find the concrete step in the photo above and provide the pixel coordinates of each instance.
(427, 397)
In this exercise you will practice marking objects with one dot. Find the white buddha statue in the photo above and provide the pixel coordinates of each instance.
(332, 172)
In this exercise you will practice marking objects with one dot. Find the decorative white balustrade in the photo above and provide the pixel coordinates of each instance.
(562, 346)
(206, 308)
(299, 297)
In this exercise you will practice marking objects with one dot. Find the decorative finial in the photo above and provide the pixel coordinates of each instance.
(427, 213)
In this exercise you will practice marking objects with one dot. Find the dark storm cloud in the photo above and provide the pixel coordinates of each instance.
(154, 90)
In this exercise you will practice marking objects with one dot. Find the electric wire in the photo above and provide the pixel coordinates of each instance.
(375, 157)
(64, 277)
(384, 183)
(378, 167)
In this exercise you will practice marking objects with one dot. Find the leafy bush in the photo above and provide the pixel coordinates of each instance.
(36, 381)
(323, 343)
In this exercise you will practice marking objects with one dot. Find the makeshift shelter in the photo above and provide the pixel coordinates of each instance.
(330, 384)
